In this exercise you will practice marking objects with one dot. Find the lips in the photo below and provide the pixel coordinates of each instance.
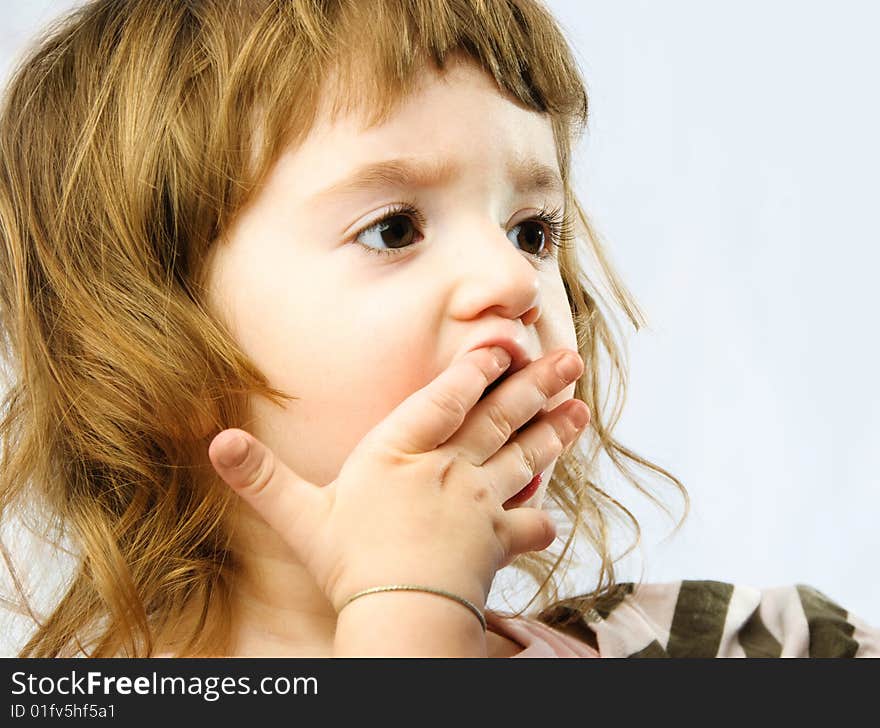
(525, 493)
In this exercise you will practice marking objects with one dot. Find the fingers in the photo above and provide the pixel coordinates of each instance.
(290, 505)
(527, 529)
(532, 451)
(430, 416)
(513, 403)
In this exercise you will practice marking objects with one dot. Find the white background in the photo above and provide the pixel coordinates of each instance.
(731, 166)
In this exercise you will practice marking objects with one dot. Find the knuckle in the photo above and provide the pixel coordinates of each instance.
(527, 461)
(481, 494)
(558, 439)
(449, 404)
(547, 388)
(393, 458)
(548, 530)
(263, 475)
(498, 419)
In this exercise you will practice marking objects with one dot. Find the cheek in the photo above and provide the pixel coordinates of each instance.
(337, 405)
(558, 312)
(366, 378)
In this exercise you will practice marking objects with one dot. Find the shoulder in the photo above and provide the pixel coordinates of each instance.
(705, 618)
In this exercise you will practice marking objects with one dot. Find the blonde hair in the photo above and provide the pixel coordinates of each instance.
(130, 137)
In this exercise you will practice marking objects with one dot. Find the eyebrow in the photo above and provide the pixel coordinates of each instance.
(528, 175)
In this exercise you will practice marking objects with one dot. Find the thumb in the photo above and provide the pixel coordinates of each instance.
(430, 416)
(291, 505)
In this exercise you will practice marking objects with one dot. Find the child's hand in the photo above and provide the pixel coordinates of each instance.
(420, 499)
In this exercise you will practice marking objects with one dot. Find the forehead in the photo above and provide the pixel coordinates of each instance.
(427, 101)
(447, 121)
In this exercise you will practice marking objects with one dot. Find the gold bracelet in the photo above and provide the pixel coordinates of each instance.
(408, 587)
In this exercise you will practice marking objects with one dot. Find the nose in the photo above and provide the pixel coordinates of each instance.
(493, 275)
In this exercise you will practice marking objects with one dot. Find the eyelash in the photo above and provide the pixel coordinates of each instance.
(559, 225)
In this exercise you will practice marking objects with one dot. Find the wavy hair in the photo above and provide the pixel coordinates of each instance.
(131, 134)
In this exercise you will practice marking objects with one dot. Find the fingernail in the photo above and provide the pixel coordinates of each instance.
(579, 417)
(502, 356)
(234, 452)
(567, 367)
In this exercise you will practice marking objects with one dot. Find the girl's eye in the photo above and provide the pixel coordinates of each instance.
(396, 230)
(399, 228)
(555, 228)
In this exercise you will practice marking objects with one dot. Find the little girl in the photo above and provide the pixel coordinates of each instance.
(301, 342)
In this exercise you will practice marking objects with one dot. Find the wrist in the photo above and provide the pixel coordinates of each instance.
(469, 591)
(466, 603)
(408, 623)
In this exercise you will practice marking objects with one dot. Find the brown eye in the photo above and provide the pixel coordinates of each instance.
(530, 236)
(547, 230)
(392, 233)
(395, 232)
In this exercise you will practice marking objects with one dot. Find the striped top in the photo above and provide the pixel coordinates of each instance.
(696, 619)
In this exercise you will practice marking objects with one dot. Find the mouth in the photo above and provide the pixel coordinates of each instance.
(525, 493)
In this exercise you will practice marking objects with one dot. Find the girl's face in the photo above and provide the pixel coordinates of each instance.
(352, 332)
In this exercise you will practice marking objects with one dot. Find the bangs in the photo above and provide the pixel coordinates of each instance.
(382, 44)
(367, 56)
